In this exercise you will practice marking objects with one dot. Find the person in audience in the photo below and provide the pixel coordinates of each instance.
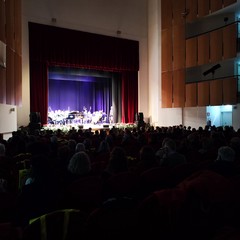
(6, 170)
(72, 145)
(235, 145)
(147, 159)
(103, 147)
(80, 147)
(118, 163)
(79, 165)
(225, 162)
(40, 194)
(168, 155)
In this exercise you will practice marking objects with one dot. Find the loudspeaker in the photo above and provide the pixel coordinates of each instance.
(140, 117)
(35, 117)
(105, 126)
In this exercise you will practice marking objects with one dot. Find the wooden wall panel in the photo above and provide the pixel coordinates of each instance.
(191, 95)
(191, 52)
(10, 88)
(178, 10)
(179, 47)
(216, 45)
(10, 23)
(215, 5)
(179, 88)
(203, 8)
(230, 91)
(167, 51)
(2, 85)
(216, 92)
(230, 41)
(167, 88)
(18, 79)
(166, 13)
(2, 21)
(18, 27)
(203, 49)
(228, 2)
(191, 7)
(203, 93)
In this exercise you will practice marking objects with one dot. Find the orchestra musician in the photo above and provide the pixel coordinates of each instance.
(111, 115)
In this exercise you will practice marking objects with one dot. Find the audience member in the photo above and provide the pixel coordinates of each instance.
(170, 157)
(41, 193)
(147, 159)
(79, 165)
(225, 162)
(80, 147)
(118, 162)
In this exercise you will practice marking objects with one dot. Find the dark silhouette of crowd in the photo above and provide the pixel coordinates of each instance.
(154, 182)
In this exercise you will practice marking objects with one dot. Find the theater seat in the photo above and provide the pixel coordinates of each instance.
(84, 193)
(66, 224)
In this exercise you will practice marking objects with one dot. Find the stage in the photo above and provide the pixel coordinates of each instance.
(87, 126)
(85, 120)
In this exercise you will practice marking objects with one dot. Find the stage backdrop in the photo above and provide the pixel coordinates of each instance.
(72, 89)
(52, 46)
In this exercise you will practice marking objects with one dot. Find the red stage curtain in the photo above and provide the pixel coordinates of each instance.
(64, 47)
(129, 96)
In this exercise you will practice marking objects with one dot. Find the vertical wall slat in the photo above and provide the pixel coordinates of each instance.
(215, 5)
(203, 93)
(178, 10)
(3, 94)
(167, 86)
(10, 23)
(166, 14)
(179, 88)
(167, 50)
(179, 47)
(191, 52)
(2, 21)
(191, 8)
(228, 2)
(17, 27)
(230, 91)
(10, 88)
(216, 45)
(230, 41)
(216, 92)
(18, 79)
(203, 49)
(191, 95)
(203, 8)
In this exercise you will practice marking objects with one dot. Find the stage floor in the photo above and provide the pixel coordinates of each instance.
(94, 127)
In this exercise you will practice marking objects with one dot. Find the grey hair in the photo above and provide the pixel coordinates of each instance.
(80, 147)
(79, 163)
(226, 153)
